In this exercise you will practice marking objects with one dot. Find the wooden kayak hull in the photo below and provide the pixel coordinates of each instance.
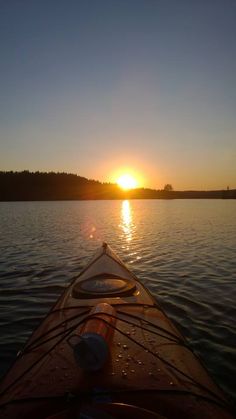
(150, 372)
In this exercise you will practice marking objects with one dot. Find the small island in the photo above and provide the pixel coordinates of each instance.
(44, 186)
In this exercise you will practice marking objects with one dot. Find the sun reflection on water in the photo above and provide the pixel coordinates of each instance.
(127, 220)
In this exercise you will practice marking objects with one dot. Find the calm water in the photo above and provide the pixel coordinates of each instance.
(184, 251)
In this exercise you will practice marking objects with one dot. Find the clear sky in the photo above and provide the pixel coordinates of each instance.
(95, 87)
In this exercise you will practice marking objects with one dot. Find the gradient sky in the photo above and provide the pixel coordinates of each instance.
(96, 86)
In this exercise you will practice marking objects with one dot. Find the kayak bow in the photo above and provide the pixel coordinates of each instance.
(107, 350)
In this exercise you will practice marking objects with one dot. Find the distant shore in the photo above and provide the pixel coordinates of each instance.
(40, 186)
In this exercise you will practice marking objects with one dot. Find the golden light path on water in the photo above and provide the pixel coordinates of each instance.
(128, 227)
(126, 220)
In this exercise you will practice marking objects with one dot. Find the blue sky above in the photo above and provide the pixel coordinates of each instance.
(94, 87)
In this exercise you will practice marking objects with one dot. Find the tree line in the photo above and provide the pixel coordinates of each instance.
(46, 186)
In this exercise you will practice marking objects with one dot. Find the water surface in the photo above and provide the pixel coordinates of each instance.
(184, 251)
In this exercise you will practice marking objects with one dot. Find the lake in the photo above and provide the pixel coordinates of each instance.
(184, 251)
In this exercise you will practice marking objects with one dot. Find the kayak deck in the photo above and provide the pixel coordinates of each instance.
(150, 367)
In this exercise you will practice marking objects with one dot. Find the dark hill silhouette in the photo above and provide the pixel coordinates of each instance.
(41, 186)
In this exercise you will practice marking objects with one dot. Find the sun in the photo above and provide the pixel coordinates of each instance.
(127, 182)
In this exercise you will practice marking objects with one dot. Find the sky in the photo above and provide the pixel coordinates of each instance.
(103, 87)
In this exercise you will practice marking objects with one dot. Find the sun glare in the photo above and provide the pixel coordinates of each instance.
(127, 182)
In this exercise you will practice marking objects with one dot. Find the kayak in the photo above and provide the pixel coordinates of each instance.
(107, 350)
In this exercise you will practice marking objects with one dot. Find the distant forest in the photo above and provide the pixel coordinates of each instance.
(39, 186)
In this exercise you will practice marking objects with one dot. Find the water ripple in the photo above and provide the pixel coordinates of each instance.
(183, 251)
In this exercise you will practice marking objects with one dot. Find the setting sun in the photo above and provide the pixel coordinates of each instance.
(127, 182)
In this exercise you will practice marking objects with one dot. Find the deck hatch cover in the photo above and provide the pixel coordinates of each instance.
(104, 285)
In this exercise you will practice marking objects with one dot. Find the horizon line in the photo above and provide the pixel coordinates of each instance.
(111, 183)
